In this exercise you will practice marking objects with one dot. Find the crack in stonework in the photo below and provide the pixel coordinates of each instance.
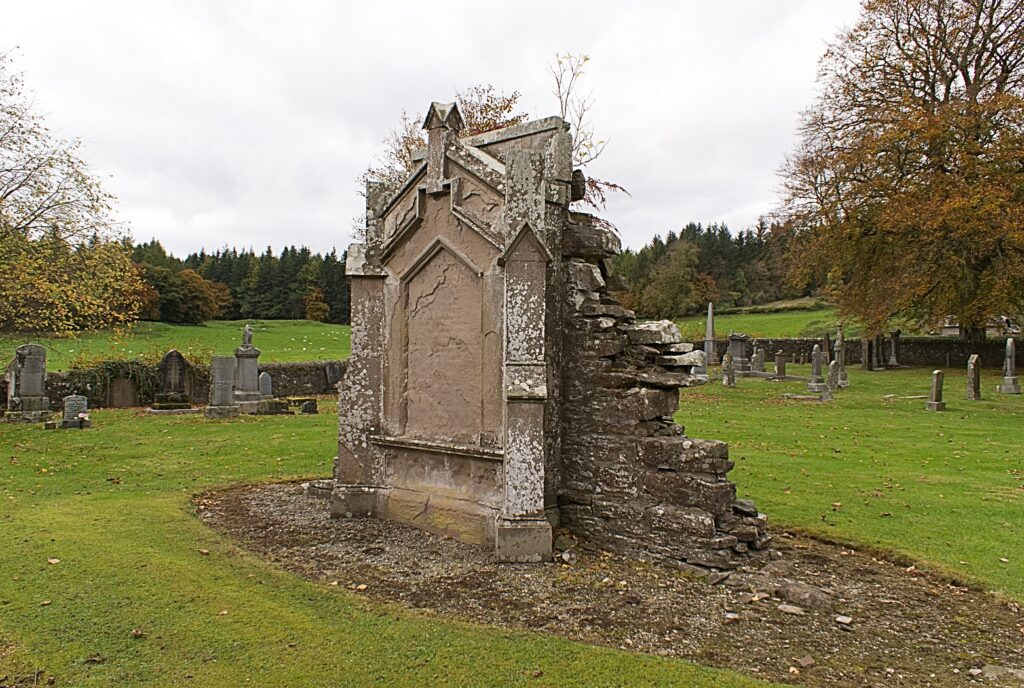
(431, 293)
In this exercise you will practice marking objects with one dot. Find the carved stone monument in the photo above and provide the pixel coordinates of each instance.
(247, 371)
(738, 349)
(26, 385)
(222, 388)
(780, 365)
(974, 378)
(710, 353)
(1010, 384)
(816, 382)
(495, 385)
(757, 360)
(894, 345)
(76, 413)
(840, 348)
(728, 370)
(172, 396)
(935, 402)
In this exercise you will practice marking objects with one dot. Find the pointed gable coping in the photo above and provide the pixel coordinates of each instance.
(525, 231)
(400, 191)
(443, 115)
(516, 131)
(436, 246)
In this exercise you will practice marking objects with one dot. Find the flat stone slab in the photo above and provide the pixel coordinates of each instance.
(657, 332)
(173, 412)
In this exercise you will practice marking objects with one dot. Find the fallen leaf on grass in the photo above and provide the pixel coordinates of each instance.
(204, 552)
(53, 561)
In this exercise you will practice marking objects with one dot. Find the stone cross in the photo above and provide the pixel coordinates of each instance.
(76, 407)
(728, 370)
(222, 388)
(935, 402)
(840, 348)
(816, 383)
(266, 385)
(780, 364)
(1010, 383)
(974, 378)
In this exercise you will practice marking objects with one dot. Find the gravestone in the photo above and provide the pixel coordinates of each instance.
(122, 393)
(935, 402)
(222, 388)
(831, 382)
(974, 378)
(309, 407)
(738, 349)
(710, 354)
(757, 361)
(26, 385)
(76, 412)
(867, 353)
(172, 371)
(826, 350)
(894, 343)
(816, 382)
(878, 362)
(728, 370)
(247, 371)
(840, 347)
(266, 386)
(780, 364)
(1010, 383)
(482, 399)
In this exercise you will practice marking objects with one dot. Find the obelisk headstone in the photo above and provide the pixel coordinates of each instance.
(1010, 383)
(935, 402)
(840, 347)
(974, 378)
(709, 344)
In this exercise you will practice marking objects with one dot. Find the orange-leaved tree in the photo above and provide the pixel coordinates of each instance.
(906, 192)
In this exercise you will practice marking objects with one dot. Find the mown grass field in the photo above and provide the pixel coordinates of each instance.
(278, 340)
(946, 487)
(793, 323)
(113, 505)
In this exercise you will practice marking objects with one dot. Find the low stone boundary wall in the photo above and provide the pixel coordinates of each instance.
(126, 386)
(931, 352)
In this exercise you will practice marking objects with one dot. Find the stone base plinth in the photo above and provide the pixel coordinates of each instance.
(27, 416)
(172, 411)
(170, 405)
(1010, 386)
(272, 407)
(221, 411)
(353, 501)
(75, 424)
(247, 402)
(935, 406)
(817, 386)
(522, 540)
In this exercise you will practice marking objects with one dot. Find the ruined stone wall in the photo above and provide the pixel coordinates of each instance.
(632, 482)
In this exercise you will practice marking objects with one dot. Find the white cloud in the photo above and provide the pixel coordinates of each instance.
(246, 123)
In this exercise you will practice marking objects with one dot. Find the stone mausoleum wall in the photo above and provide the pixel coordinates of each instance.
(631, 480)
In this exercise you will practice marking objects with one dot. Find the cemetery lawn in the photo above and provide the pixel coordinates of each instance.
(279, 340)
(100, 544)
(942, 488)
(792, 323)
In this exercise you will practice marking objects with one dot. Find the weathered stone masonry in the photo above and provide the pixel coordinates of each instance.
(495, 388)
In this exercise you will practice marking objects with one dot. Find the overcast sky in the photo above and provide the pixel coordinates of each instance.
(246, 123)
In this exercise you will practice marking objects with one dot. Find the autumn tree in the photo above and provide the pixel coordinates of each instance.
(906, 192)
(63, 264)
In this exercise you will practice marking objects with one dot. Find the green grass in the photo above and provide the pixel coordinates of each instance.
(112, 504)
(279, 340)
(796, 323)
(946, 488)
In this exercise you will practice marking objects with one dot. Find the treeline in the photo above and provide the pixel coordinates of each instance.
(230, 285)
(680, 274)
